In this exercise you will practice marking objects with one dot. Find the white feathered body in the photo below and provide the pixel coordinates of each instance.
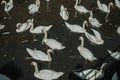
(74, 28)
(47, 74)
(117, 2)
(33, 8)
(118, 30)
(9, 6)
(38, 55)
(53, 44)
(87, 54)
(81, 9)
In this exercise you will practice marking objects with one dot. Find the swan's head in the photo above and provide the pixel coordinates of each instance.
(85, 22)
(111, 4)
(51, 51)
(3, 2)
(81, 38)
(33, 63)
(18, 25)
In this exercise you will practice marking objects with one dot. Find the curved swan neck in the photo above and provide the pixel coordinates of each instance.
(76, 3)
(36, 69)
(109, 6)
(45, 34)
(91, 14)
(32, 25)
(4, 2)
(82, 41)
(84, 24)
(49, 56)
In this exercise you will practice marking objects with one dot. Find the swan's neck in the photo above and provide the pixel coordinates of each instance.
(76, 3)
(82, 42)
(84, 26)
(49, 56)
(109, 6)
(36, 70)
(45, 35)
(91, 14)
(32, 25)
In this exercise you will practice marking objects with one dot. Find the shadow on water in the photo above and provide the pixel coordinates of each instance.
(11, 70)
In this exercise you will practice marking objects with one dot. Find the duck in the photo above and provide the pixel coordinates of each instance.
(52, 43)
(75, 28)
(46, 74)
(86, 53)
(39, 55)
(91, 74)
(64, 13)
(34, 8)
(8, 6)
(21, 27)
(115, 55)
(93, 21)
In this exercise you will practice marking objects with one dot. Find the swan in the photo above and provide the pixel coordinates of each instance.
(80, 9)
(93, 21)
(115, 55)
(64, 13)
(1, 26)
(96, 38)
(33, 8)
(8, 7)
(53, 44)
(86, 53)
(76, 28)
(117, 2)
(3, 77)
(21, 27)
(104, 7)
(115, 76)
(46, 74)
(91, 74)
(40, 55)
(118, 30)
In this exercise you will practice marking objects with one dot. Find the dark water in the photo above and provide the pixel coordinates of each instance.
(13, 53)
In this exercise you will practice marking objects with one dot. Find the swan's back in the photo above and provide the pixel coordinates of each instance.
(54, 44)
(33, 8)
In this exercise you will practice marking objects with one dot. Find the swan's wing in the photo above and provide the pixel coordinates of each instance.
(97, 34)
(90, 37)
(81, 9)
(95, 22)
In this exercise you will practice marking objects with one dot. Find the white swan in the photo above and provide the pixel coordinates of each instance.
(53, 44)
(1, 26)
(40, 55)
(115, 76)
(64, 13)
(91, 74)
(93, 21)
(96, 38)
(86, 53)
(104, 7)
(80, 9)
(46, 74)
(117, 3)
(33, 8)
(115, 55)
(76, 28)
(118, 30)
(21, 27)
(8, 6)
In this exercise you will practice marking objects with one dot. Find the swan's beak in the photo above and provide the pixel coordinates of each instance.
(52, 52)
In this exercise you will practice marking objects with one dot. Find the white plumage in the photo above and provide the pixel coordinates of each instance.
(96, 38)
(53, 44)
(33, 8)
(115, 55)
(21, 27)
(1, 26)
(46, 74)
(64, 13)
(118, 30)
(40, 55)
(86, 53)
(93, 21)
(117, 2)
(80, 9)
(75, 28)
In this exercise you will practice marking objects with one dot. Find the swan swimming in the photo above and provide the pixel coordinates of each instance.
(86, 53)
(115, 55)
(1, 26)
(52, 43)
(46, 74)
